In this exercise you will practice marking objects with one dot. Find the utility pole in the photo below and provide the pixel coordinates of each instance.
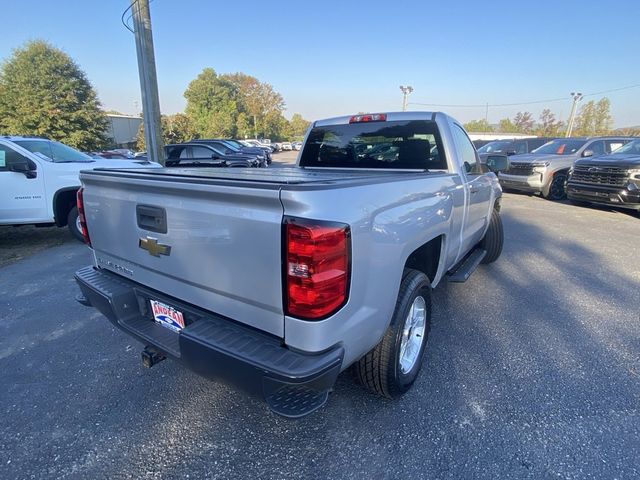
(405, 93)
(577, 96)
(148, 80)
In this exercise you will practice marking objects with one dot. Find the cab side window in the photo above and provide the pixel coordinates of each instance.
(612, 145)
(596, 147)
(466, 152)
(8, 155)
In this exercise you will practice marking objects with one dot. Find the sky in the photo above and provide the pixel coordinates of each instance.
(341, 57)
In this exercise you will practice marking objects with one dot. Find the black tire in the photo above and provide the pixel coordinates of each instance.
(556, 189)
(380, 370)
(493, 239)
(72, 219)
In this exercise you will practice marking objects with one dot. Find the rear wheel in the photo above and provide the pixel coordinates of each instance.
(556, 190)
(73, 222)
(393, 365)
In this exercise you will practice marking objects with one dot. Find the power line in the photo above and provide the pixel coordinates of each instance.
(549, 100)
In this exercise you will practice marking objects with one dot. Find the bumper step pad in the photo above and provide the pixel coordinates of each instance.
(295, 401)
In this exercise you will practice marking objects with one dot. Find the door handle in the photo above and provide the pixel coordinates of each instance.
(473, 190)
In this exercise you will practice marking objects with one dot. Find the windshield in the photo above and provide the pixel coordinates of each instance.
(55, 151)
(399, 144)
(230, 146)
(560, 147)
(631, 148)
(495, 147)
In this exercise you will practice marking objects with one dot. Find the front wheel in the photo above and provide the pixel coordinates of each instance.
(393, 365)
(73, 222)
(493, 239)
(556, 190)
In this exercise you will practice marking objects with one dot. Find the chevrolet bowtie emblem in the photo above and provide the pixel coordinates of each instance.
(154, 248)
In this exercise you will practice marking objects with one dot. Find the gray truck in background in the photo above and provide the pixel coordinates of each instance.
(277, 280)
(546, 169)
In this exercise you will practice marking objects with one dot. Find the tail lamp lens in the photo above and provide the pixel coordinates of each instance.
(318, 263)
(82, 219)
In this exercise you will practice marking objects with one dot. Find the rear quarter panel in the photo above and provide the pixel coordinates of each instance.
(388, 222)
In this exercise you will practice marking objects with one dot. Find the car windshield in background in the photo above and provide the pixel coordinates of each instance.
(560, 147)
(398, 144)
(631, 148)
(494, 147)
(54, 151)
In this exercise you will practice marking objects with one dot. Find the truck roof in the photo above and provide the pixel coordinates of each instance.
(391, 116)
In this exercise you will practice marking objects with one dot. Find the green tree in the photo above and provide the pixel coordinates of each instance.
(594, 118)
(505, 125)
(44, 92)
(211, 105)
(299, 126)
(176, 128)
(523, 122)
(548, 125)
(261, 104)
(478, 126)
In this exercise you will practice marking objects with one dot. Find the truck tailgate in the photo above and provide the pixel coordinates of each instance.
(224, 239)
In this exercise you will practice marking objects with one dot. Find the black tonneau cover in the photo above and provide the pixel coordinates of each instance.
(266, 177)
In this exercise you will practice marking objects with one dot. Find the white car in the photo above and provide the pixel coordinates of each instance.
(287, 146)
(39, 179)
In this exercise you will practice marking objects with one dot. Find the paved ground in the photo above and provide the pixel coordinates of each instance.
(532, 371)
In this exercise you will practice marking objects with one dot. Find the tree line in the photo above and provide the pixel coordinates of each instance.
(593, 118)
(44, 92)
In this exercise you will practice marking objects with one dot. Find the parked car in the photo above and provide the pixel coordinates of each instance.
(286, 146)
(39, 179)
(516, 146)
(257, 143)
(231, 147)
(545, 170)
(297, 145)
(202, 154)
(264, 279)
(612, 179)
(112, 154)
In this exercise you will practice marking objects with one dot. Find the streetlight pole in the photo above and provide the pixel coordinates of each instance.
(577, 96)
(148, 80)
(405, 93)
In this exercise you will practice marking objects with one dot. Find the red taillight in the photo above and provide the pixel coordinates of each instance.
(81, 217)
(317, 267)
(374, 117)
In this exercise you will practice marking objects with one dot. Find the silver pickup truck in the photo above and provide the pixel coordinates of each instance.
(277, 280)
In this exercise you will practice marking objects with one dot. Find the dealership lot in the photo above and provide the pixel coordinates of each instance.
(532, 371)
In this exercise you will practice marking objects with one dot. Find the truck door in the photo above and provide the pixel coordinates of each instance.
(477, 189)
(24, 199)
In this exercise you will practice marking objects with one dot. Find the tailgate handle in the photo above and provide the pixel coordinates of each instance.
(151, 218)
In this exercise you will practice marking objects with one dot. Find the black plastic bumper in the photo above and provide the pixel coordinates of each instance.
(603, 195)
(292, 383)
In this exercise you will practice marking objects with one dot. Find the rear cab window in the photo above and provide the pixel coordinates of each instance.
(406, 144)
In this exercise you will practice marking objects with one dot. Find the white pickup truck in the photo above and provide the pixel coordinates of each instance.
(278, 279)
(39, 179)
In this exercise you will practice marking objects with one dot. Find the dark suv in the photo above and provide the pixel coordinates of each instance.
(195, 154)
(612, 179)
(515, 146)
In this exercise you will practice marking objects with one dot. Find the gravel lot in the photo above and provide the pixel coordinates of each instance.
(532, 371)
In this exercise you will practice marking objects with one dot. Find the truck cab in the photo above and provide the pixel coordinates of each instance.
(40, 177)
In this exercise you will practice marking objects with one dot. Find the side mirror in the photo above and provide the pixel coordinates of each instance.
(587, 153)
(22, 165)
(497, 163)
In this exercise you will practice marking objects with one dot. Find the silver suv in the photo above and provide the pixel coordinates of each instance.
(545, 170)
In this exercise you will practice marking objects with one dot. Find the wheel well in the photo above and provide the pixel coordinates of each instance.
(426, 258)
(63, 202)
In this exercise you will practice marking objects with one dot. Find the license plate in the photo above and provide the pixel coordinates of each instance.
(167, 316)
